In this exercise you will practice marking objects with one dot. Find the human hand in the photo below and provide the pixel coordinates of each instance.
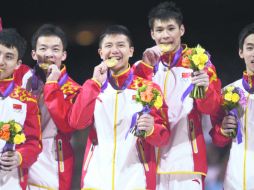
(200, 78)
(146, 123)
(9, 160)
(100, 72)
(54, 73)
(229, 126)
(152, 55)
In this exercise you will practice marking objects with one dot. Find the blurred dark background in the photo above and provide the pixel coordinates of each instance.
(215, 24)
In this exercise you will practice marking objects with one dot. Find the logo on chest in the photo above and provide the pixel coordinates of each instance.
(186, 76)
(17, 107)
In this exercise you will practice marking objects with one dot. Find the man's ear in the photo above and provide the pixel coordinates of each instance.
(152, 34)
(182, 29)
(33, 54)
(19, 62)
(240, 53)
(64, 56)
(100, 53)
(131, 51)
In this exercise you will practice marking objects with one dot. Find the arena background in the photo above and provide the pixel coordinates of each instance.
(214, 24)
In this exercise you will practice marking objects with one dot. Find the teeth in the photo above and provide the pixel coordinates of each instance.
(1, 70)
(164, 47)
(111, 62)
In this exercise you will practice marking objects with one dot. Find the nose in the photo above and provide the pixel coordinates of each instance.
(114, 49)
(166, 34)
(49, 54)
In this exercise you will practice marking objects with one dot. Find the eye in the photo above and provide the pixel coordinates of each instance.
(42, 49)
(121, 45)
(9, 57)
(159, 30)
(56, 49)
(171, 28)
(107, 46)
(249, 48)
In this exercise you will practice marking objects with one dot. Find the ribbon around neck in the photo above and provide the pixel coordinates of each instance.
(111, 80)
(172, 64)
(8, 90)
(247, 87)
(38, 75)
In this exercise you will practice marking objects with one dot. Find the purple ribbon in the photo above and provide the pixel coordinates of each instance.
(145, 109)
(175, 60)
(187, 92)
(38, 74)
(104, 86)
(247, 87)
(35, 78)
(63, 79)
(233, 112)
(172, 64)
(8, 147)
(34, 81)
(111, 80)
(8, 90)
(156, 67)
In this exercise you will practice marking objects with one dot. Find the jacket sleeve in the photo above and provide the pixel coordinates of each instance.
(22, 74)
(161, 132)
(212, 101)
(58, 105)
(30, 150)
(217, 137)
(82, 112)
(143, 70)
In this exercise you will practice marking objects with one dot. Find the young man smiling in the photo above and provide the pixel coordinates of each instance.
(114, 157)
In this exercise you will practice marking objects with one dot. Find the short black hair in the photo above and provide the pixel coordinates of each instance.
(164, 11)
(12, 39)
(116, 29)
(49, 30)
(245, 32)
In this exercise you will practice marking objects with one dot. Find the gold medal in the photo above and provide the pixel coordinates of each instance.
(44, 66)
(111, 62)
(164, 48)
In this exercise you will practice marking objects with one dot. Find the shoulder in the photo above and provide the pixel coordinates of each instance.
(22, 95)
(237, 83)
(22, 74)
(70, 87)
